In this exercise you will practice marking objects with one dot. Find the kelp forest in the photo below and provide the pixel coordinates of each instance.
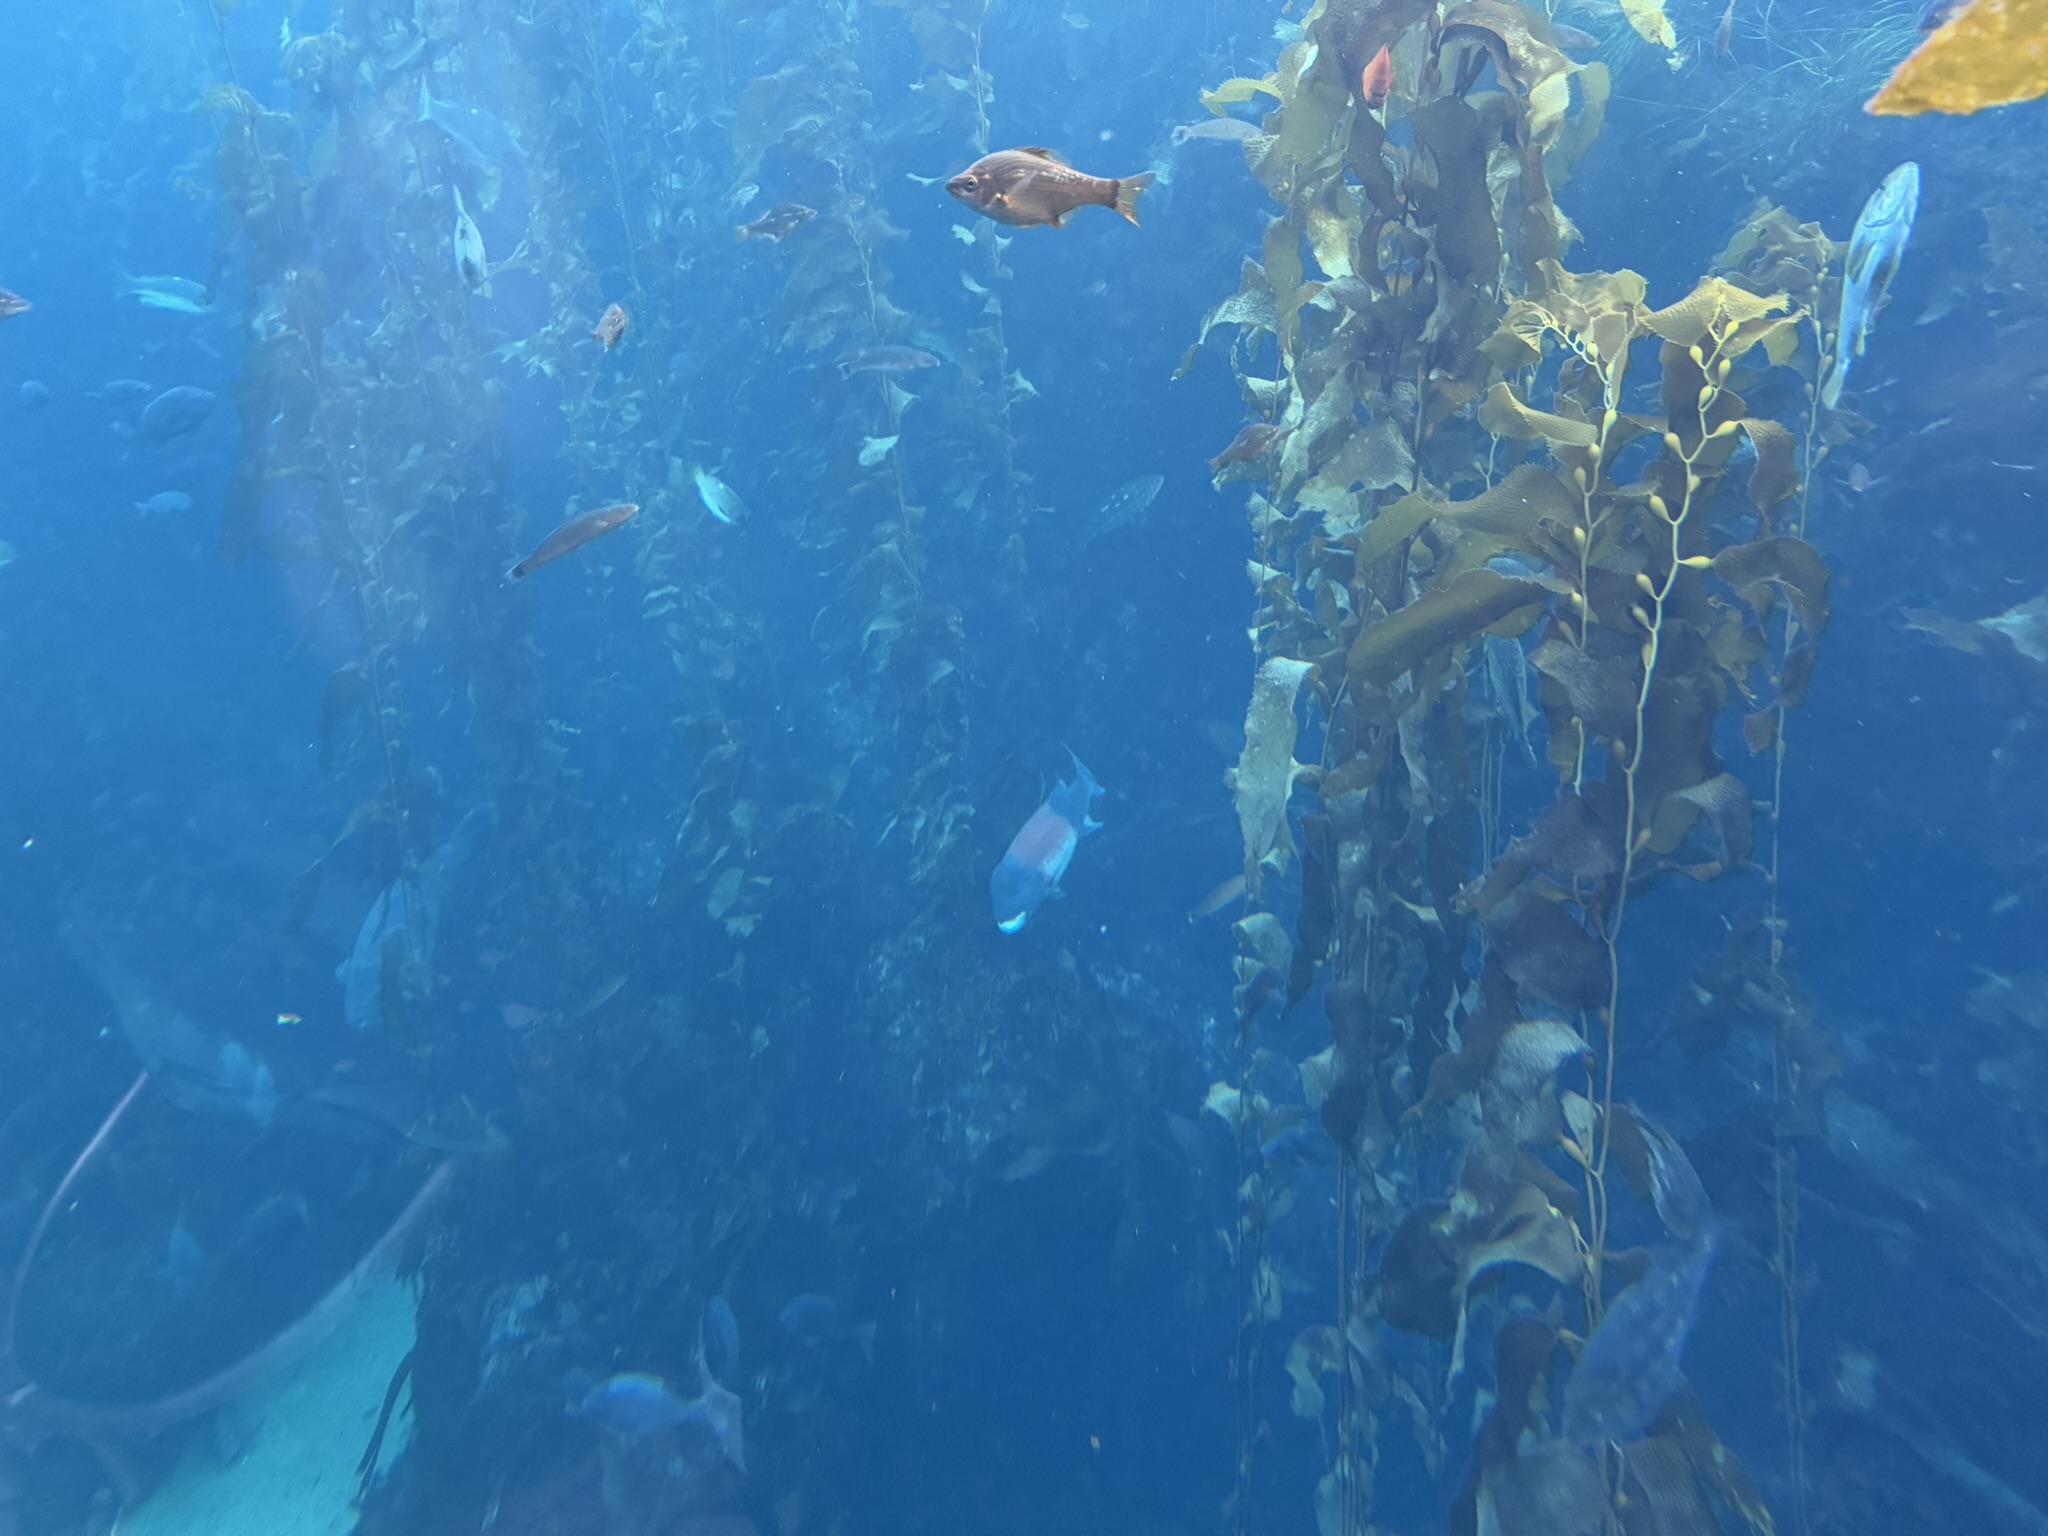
(1541, 625)
(1384, 1190)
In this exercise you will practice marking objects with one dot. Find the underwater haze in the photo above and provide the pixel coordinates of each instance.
(910, 767)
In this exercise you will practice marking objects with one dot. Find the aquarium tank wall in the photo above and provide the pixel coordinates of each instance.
(858, 767)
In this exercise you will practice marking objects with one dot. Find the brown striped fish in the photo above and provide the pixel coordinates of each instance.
(1024, 187)
(574, 534)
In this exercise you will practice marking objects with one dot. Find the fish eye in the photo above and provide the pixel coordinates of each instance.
(970, 181)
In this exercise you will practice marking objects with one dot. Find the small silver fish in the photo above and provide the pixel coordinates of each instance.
(468, 246)
(1217, 130)
(719, 499)
(180, 295)
(886, 359)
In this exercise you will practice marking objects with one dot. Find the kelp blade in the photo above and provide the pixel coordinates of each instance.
(1993, 54)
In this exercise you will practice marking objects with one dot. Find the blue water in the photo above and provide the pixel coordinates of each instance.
(638, 911)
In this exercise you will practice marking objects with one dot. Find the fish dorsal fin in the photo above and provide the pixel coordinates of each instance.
(1042, 153)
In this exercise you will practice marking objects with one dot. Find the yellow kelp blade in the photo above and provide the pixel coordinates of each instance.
(1993, 53)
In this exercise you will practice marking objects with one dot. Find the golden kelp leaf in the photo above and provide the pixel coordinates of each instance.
(1571, 844)
(1530, 1231)
(1505, 415)
(1596, 85)
(1725, 801)
(1265, 956)
(1776, 475)
(1650, 22)
(1519, 341)
(1715, 305)
(1550, 957)
(1604, 309)
(1418, 1279)
(1375, 458)
(1315, 97)
(1717, 1466)
(1512, 509)
(1993, 53)
(1394, 525)
(1284, 273)
(1331, 232)
(1266, 770)
(1436, 621)
(1236, 92)
(1660, 1475)
(1600, 691)
(1792, 565)
(1457, 202)
(1526, 56)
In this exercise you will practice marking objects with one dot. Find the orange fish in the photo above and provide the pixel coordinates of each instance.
(574, 534)
(611, 325)
(1376, 80)
(1249, 445)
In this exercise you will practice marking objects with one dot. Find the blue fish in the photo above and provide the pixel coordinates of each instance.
(814, 1320)
(635, 1406)
(485, 142)
(1043, 847)
(1630, 1366)
(718, 1340)
(395, 945)
(1875, 249)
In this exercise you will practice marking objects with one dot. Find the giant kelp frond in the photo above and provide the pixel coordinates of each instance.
(1991, 54)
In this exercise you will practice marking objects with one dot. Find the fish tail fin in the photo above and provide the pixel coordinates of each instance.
(1127, 191)
(1836, 375)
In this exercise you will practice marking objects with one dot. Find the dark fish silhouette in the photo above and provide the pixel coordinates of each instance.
(779, 222)
(574, 534)
(1026, 187)
(890, 359)
(611, 325)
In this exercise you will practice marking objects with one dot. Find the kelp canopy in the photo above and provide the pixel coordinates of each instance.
(1494, 466)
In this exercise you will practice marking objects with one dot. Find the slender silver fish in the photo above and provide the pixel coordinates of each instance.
(1875, 249)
